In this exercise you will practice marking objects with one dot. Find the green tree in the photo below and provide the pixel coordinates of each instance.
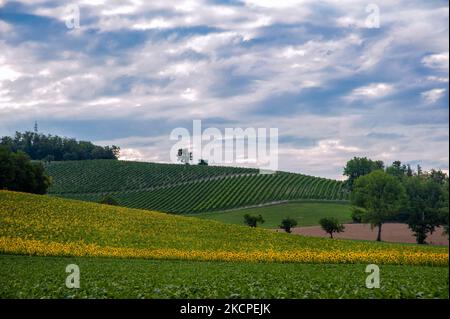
(331, 225)
(381, 195)
(287, 224)
(360, 166)
(424, 205)
(18, 173)
(253, 221)
(397, 169)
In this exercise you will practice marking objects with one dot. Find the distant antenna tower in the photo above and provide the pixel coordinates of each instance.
(35, 127)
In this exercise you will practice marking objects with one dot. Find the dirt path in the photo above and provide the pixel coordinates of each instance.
(392, 232)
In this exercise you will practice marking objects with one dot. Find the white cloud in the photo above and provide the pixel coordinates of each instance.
(437, 61)
(153, 24)
(433, 95)
(440, 79)
(190, 94)
(375, 90)
(7, 72)
(279, 4)
(119, 10)
(130, 154)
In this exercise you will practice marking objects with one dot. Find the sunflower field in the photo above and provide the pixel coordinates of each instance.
(46, 226)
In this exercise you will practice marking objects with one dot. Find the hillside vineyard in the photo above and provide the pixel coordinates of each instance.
(184, 188)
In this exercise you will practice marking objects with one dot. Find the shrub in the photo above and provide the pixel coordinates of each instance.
(331, 225)
(253, 221)
(287, 224)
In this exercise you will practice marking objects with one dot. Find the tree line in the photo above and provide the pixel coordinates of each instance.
(18, 172)
(398, 193)
(43, 147)
(394, 193)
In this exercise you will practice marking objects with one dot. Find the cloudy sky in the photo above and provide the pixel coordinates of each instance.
(334, 84)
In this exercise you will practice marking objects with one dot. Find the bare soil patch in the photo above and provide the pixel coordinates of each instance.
(391, 232)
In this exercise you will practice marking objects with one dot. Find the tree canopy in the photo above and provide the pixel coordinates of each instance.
(398, 193)
(18, 173)
(360, 166)
(253, 221)
(55, 148)
(288, 223)
(381, 194)
(331, 225)
(427, 205)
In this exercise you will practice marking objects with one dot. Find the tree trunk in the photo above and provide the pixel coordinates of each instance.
(331, 234)
(379, 232)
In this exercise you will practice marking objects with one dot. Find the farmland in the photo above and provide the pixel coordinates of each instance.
(172, 256)
(45, 226)
(43, 277)
(306, 213)
(184, 188)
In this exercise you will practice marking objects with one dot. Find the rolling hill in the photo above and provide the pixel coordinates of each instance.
(48, 226)
(184, 188)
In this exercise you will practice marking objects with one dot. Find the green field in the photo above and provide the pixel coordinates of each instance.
(306, 213)
(44, 277)
(184, 189)
(157, 255)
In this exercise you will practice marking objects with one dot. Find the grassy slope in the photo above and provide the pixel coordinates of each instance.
(306, 213)
(77, 224)
(44, 277)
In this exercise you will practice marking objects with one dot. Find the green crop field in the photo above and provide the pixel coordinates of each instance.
(44, 277)
(306, 213)
(184, 188)
(102, 176)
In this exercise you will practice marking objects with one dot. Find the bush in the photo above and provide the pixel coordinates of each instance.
(331, 225)
(18, 173)
(108, 200)
(253, 221)
(287, 224)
